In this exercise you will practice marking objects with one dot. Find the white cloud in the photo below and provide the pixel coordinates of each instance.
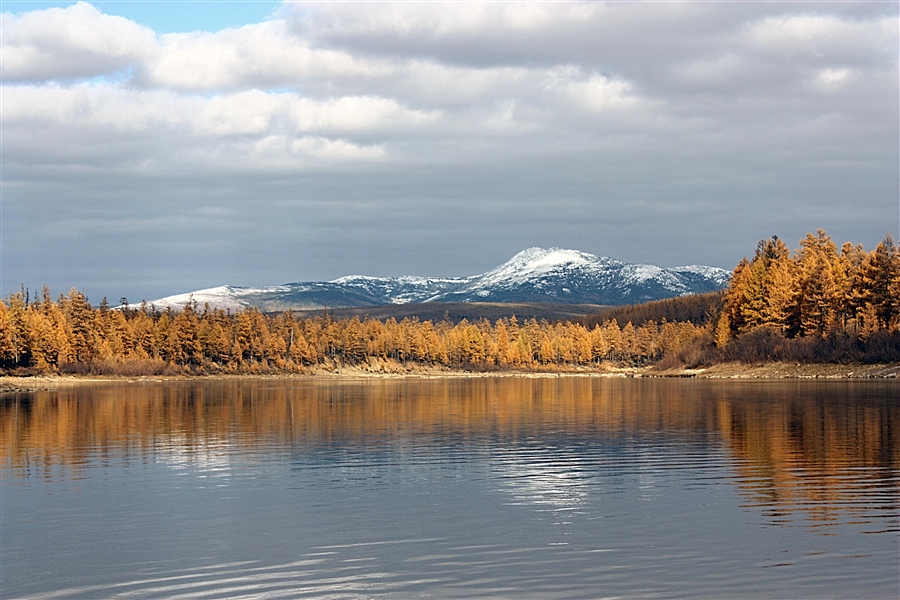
(272, 125)
(242, 113)
(823, 36)
(830, 80)
(92, 107)
(601, 94)
(335, 149)
(73, 42)
(260, 55)
(257, 112)
(355, 113)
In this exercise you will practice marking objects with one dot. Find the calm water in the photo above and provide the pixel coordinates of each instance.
(497, 487)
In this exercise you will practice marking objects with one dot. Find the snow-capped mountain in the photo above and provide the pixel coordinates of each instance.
(533, 275)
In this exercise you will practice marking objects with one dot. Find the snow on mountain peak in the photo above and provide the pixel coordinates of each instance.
(535, 262)
(532, 275)
(539, 258)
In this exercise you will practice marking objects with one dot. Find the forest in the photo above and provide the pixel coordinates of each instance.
(815, 304)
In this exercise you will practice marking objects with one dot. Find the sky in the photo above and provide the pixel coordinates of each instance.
(154, 148)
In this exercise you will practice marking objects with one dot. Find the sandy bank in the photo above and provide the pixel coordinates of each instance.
(52, 382)
(788, 371)
(722, 371)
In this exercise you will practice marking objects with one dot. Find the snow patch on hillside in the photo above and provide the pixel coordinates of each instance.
(225, 297)
(716, 274)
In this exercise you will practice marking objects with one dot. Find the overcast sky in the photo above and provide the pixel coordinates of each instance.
(156, 148)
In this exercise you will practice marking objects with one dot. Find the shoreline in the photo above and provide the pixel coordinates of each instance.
(12, 384)
(779, 370)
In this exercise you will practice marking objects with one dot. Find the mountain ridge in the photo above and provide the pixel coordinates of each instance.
(535, 274)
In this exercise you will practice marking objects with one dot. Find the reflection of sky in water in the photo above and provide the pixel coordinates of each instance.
(206, 460)
(178, 452)
(563, 476)
(548, 478)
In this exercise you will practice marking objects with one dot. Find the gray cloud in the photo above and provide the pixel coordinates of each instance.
(438, 139)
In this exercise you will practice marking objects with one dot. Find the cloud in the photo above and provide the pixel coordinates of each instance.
(335, 149)
(833, 79)
(442, 138)
(434, 21)
(600, 93)
(250, 130)
(822, 36)
(71, 43)
(473, 34)
(89, 107)
(258, 112)
(263, 55)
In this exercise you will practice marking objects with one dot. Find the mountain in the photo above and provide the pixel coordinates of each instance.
(533, 275)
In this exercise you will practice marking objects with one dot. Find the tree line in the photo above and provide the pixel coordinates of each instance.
(69, 335)
(815, 304)
(699, 309)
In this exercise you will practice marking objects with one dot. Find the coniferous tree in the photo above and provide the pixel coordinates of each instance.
(628, 346)
(781, 308)
(581, 341)
(19, 329)
(876, 281)
(599, 345)
(613, 336)
(524, 349)
(185, 347)
(503, 345)
(143, 333)
(546, 354)
(737, 295)
(7, 345)
(819, 297)
(82, 326)
(723, 331)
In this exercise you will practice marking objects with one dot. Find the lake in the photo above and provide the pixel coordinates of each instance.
(504, 487)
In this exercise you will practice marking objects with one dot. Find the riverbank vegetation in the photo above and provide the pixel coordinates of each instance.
(817, 304)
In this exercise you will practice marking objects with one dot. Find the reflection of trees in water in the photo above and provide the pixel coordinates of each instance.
(810, 446)
(819, 451)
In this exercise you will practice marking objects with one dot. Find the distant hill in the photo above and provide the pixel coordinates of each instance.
(698, 309)
(455, 312)
(535, 275)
